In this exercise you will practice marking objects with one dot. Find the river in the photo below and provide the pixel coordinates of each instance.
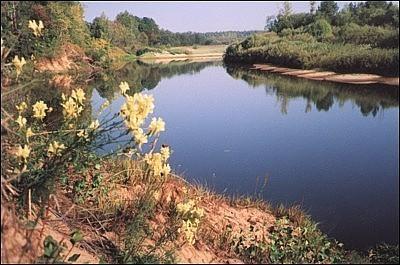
(331, 148)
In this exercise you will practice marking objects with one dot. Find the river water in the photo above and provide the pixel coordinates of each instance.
(331, 148)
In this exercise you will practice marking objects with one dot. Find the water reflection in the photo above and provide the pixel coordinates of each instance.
(370, 99)
(142, 75)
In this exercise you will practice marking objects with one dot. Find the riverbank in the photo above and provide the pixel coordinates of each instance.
(356, 79)
(230, 230)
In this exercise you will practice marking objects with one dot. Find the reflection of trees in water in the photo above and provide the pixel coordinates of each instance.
(369, 98)
(141, 75)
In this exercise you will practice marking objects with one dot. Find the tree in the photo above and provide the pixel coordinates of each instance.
(313, 7)
(269, 22)
(150, 28)
(328, 9)
(129, 21)
(100, 27)
(286, 10)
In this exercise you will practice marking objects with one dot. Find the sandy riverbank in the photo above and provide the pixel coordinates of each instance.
(360, 79)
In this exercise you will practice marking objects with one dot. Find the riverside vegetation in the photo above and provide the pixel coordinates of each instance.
(360, 38)
(62, 202)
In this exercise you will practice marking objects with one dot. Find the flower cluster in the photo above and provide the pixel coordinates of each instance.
(18, 63)
(156, 126)
(39, 110)
(21, 107)
(73, 105)
(21, 121)
(55, 148)
(157, 162)
(191, 216)
(35, 27)
(23, 152)
(135, 111)
(124, 87)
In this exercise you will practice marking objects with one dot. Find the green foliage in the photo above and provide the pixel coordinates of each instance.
(302, 52)
(134, 34)
(328, 10)
(369, 35)
(320, 29)
(148, 50)
(250, 247)
(54, 251)
(384, 254)
(302, 244)
(355, 43)
(286, 243)
(63, 23)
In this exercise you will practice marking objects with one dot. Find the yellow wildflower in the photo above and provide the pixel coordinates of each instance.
(21, 107)
(191, 216)
(156, 126)
(36, 28)
(140, 137)
(135, 109)
(21, 121)
(39, 110)
(124, 87)
(94, 125)
(78, 95)
(83, 134)
(18, 64)
(23, 152)
(155, 163)
(166, 170)
(29, 133)
(71, 109)
(165, 153)
(55, 148)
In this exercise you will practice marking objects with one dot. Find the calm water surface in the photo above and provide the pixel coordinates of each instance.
(331, 148)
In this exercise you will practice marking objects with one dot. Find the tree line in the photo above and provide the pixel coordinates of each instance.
(64, 24)
(131, 33)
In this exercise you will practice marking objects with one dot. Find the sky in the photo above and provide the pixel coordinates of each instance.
(197, 16)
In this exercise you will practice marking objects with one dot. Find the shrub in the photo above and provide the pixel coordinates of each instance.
(320, 29)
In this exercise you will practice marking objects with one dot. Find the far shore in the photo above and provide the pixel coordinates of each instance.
(202, 52)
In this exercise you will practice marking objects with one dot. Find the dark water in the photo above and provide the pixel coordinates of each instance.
(331, 148)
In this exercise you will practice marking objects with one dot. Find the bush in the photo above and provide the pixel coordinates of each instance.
(320, 29)
(302, 244)
(369, 35)
(147, 50)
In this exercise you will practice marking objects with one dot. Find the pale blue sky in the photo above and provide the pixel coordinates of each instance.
(197, 16)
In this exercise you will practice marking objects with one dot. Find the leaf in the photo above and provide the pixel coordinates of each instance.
(97, 166)
(76, 237)
(74, 257)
